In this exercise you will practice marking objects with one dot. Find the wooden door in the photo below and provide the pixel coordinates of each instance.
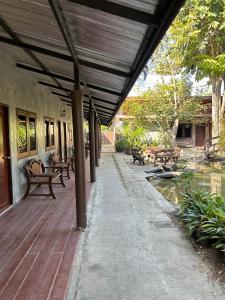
(65, 141)
(59, 139)
(5, 173)
(200, 136)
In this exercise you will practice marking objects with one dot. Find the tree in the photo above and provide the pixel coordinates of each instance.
(164, 106)
(198, 34)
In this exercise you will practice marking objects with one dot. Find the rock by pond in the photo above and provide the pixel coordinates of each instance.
(170, 168)
(169, 175)
(155, 170)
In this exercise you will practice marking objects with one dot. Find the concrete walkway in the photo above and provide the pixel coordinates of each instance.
(131, 249)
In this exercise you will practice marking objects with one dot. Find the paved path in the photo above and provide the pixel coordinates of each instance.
(108, 148)
(132, 249)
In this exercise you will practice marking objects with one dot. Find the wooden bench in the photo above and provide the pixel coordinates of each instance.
(37, 174)
(138, 155)
(57, 162)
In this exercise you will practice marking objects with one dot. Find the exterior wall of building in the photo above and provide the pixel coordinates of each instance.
(20, 89)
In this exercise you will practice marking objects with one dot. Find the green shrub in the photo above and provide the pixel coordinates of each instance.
(204, 216)
(121, 144)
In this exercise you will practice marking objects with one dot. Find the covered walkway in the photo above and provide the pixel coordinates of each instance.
(38, 239)
(131, 249)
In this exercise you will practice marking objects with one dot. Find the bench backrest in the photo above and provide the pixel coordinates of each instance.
(54, 158)
(34, 167)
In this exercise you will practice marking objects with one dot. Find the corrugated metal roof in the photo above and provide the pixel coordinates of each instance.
(112, 40)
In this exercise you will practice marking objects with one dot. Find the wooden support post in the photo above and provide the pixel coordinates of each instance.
(99, 141)
(96, 143)
(91, 123)
(79, 157)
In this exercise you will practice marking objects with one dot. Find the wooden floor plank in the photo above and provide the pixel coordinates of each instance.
(37, 252)
(17, 278)
(49, 229)
(17, 215)
(12, 241)
(26, 289)
(19, 254)
(41, 291)
(48, 237)
(59, 288)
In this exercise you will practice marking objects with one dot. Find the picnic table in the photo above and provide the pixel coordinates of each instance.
(164, 155)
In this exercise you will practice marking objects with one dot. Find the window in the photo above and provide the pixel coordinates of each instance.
(49, 134)
(184, 131)
(70, 133)
(26, 133)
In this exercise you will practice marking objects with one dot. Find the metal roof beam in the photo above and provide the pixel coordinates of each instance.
(62, 77)
(54, 86)
(121, 11)
(96, 105)
(16, 39)
(61, 21)
(62, 95)
(63, 56)
(113, 71)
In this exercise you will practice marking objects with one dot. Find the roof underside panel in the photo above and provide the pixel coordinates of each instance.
(142, 5)
(111, 40)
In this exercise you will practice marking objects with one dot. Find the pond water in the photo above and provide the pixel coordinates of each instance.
(209, 178)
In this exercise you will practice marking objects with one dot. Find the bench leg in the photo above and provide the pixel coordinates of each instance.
(50, 189)
(68, 171)
(61, 180)
(27, 191)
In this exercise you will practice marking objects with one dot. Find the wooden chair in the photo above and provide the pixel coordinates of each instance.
(56, 161)
(37, 174)
(138, 155)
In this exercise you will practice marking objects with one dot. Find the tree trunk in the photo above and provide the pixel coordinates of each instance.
(216, 105)
(174, 132)
(222, 107)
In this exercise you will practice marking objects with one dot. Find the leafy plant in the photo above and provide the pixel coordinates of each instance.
(204, 216)
(185, 179)
(121, 144)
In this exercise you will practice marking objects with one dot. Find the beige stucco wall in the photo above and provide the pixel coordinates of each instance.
(20, 89)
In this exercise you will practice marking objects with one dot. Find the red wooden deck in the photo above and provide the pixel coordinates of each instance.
(38, 244)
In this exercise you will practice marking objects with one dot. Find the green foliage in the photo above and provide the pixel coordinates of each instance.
(199, 36)
(204, 216)
(133, 134)
(162, 106)
(184, 180)
(154, 143)
(121, 144)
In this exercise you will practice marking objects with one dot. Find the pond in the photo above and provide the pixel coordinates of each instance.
(211, 179)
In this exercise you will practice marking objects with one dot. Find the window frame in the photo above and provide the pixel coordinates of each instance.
(183, 132)
(50, 147)
(27, 115)
(69, 133)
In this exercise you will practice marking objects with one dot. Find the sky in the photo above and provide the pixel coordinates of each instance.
(152, 80)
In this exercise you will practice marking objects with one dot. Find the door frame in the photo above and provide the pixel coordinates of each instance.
(65, 140)
(59, 124)
(8, 150)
